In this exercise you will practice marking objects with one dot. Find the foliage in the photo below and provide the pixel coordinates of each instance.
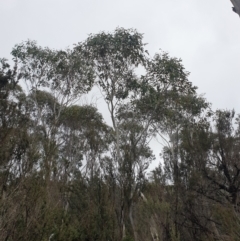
(65, 174)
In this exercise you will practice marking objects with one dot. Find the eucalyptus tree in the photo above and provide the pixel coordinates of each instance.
(63, 73)
(136, 156)
(10, 109)
(220, 164)
(224, 156)
(85, 139)
(169, 101)
(115, 57)
(210, 155)
(14, 143)
(13, 123)
(52, 80)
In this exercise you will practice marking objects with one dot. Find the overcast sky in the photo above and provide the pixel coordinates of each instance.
(205, 34)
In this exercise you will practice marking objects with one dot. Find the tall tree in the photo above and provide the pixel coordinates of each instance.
(115, 57)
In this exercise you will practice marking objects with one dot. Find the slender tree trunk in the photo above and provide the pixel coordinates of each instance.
(174, 150)
(132, 222)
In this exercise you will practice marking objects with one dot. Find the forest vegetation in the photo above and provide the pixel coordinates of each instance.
(67, 175)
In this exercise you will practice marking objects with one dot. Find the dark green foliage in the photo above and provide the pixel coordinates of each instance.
(65, 175)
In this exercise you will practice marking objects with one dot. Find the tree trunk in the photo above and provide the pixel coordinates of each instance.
(132, 222)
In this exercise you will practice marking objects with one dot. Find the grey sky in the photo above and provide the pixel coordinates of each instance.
(205, 34)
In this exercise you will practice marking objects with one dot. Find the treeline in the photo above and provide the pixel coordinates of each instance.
(67, 175)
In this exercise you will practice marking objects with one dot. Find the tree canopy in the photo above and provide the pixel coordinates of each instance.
(66, 174)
